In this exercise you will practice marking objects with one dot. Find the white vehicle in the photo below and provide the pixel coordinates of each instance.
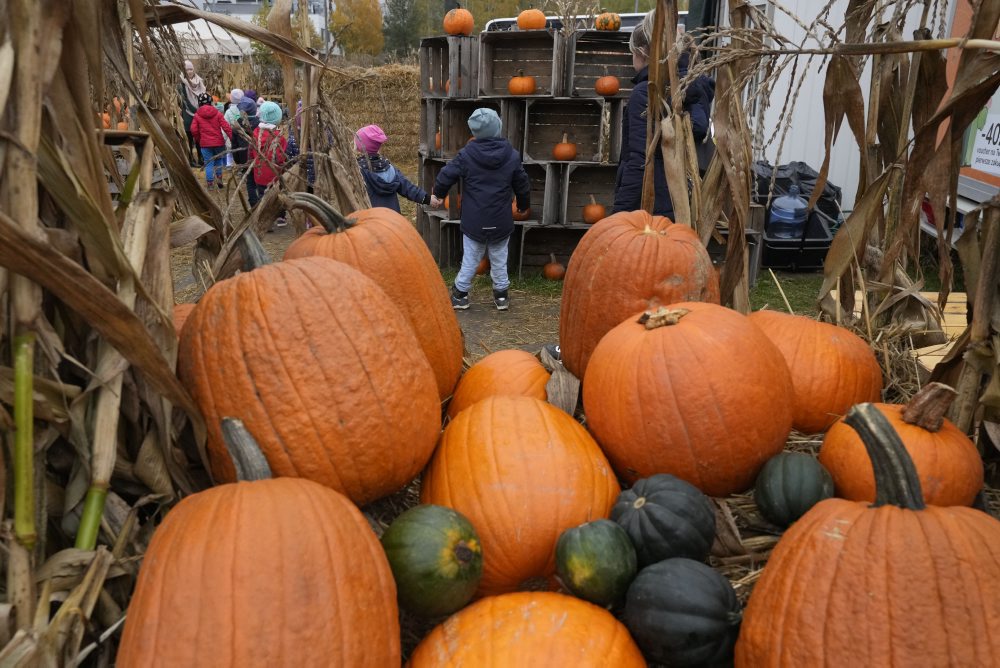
(629, 22)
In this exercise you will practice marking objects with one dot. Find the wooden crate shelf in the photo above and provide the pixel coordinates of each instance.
(579, 183)
(430, 127)
(513, 113)
(538, 241)
(591, 54)
(538, 53)
(449, 66)
(545, 194)
(548, 120)
(455, 133)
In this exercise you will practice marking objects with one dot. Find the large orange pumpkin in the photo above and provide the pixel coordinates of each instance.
(627, 263)
(386, 248)
(832, 368)
(894, 584)
(949, 466)
(694, 390)
(513, 372)
(523, 472)
(181, 314)
(324, 370)
(458, 21)
(529, 629)
(531, 19)
(274, 572)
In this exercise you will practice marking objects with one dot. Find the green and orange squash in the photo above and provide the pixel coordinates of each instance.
(596, 562)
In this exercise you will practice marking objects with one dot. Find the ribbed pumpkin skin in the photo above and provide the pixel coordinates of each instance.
(708, 400)
(529, 630)
(852, 585)
(832, 368)
(523, 472)
(281, 572)
(619, 268)
(948, 464)
(181, 314)
(386, 248)
(509, 372)
(330, 380)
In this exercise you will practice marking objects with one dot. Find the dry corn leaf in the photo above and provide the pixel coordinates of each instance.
(842, 98)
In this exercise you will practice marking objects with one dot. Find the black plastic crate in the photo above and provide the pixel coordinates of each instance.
(806, 254)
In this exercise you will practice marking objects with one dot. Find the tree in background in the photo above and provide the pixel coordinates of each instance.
(357, 26)
(403, 26)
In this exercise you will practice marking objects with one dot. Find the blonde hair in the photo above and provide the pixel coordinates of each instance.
(638, 43)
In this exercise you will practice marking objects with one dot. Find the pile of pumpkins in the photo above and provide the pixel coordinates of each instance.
(524, 546)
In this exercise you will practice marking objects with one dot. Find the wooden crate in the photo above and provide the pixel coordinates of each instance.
(430, 127)
(545, 194)
(579, 183)
(449, 66)
(450, 247)
(455, 133)
(538, 241)
(548, 120)
(596, 53)
(538, 53)
(513, 112)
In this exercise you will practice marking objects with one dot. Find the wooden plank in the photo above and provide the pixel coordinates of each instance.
(552, 213)
(513, 113)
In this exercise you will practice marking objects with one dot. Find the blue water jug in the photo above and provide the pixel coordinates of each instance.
(788, 216)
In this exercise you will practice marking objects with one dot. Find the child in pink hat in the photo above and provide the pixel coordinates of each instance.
(384, 182)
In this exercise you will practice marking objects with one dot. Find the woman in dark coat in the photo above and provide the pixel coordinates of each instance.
(632, 164)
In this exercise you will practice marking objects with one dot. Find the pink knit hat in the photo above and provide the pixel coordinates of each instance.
(369, 139)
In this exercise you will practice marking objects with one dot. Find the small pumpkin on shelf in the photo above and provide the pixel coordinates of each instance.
(531, 19)
(437, 141)
(593, 212)
(608, 21)
(519, 215)
(596, 561)
(459, 21)
(553, 270)
(564, 150)
(436, 559)
(483, 266)
(789, 485)
(607, 86)
(521, 84)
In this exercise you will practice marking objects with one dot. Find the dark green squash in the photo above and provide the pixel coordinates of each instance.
(789, 485)
(436, 559)
(596, 561)
(666, 517)
(682, 612)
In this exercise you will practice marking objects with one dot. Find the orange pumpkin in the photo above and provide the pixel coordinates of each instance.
(607, 86)
(949, 466)
(694, 390)
(521, 84)
(122, 125)
(181, 314)
(564, 150)
(386, 248)
(553, 270)
(224, 553)
(106, 121)
(608, 21)
(896, 583)
(624, 264)
(507, 372)
(529, 629)
(523, 472)
(519, 215)
(308, 354)
(458, 21)
(593, 212)
(531, 19)
(437, 141)
(483, 266)
(832, 368)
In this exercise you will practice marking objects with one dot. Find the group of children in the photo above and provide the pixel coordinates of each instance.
(492, 177)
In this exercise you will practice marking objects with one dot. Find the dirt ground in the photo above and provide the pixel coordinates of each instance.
(531, 321)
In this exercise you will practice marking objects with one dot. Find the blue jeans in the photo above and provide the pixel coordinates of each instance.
(472, 253)
(215, 160)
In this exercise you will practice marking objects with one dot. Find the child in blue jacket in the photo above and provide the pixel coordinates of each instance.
(383, 181)
(490, 170)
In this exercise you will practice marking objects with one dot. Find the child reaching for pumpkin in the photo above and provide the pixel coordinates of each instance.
(490, 169)
(382, 179)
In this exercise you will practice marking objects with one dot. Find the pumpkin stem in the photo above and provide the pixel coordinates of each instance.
(565, 138)
(331, 219)
(552, 256)
(896, 481)
(927, 407)
(249, 460)
(662, 316)
(592, 200)
(254, 255)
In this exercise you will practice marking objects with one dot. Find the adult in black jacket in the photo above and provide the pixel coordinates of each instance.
(697, 102)
(491, 171)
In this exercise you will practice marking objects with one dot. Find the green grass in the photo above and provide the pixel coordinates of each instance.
(532, 283)
(801, 289)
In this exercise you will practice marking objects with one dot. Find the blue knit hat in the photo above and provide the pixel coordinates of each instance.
(269, 112)
(484, 123)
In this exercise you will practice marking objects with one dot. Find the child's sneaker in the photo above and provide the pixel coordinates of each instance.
(500, 299)
(459, 299)
(280, 221)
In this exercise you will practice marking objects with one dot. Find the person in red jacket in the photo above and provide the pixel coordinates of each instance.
(210, 129)
(269, 149)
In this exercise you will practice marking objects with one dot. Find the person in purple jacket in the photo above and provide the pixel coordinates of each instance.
(382, 179)
(491, 173)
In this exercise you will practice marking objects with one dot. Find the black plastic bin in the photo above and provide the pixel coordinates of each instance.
(806, 254)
